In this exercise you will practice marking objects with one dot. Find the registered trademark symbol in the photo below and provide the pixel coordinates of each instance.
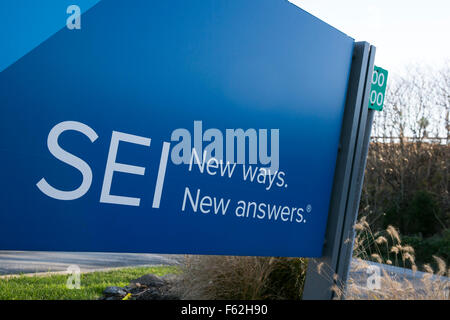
(308, 208)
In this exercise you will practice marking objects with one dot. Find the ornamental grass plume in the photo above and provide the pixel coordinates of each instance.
(248, 278)
(232, 277)
(432, 284)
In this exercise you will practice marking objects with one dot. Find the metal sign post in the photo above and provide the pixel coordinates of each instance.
(348, 182)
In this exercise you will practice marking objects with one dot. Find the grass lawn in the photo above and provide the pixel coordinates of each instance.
(53, 287)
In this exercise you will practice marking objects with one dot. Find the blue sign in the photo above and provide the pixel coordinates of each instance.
(201, 126)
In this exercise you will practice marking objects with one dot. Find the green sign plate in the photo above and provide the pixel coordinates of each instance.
(378, 88)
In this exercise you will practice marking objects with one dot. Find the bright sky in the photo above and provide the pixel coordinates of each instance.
(405, 32)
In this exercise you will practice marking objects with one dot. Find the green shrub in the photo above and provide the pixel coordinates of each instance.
(425, 248)
(406, 184)
(419, 215)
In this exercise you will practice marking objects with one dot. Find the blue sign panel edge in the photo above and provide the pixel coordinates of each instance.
(224, 78)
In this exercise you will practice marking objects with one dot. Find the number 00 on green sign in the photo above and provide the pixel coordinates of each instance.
(378, 88)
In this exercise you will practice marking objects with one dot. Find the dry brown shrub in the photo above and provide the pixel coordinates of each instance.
(247, 278)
